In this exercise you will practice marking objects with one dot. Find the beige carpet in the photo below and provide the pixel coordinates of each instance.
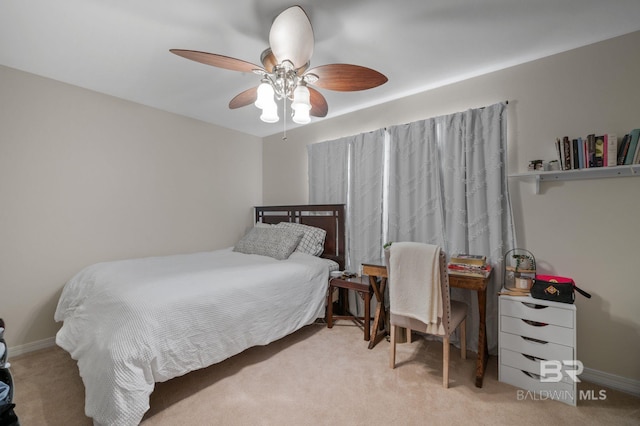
(318, 376)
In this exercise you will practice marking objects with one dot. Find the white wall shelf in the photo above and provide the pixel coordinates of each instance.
(592, 173)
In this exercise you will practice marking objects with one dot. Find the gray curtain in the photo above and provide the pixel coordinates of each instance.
(446, 184)
(350, 170)
(364, 206)
(328, 169)
(415, 195)
(477, 209)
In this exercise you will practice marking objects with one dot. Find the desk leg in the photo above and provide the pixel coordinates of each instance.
(379, 321)
(483, 351)
(367, 315)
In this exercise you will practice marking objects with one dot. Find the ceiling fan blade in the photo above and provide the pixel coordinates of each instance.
(216, 60)
(319, 107)
(346, 77)
(291, 37)
(268, 60)
(245, 98)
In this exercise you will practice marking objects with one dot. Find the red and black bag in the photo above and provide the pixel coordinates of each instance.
(555, 289)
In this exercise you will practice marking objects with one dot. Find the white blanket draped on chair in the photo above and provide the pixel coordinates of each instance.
(416, 266)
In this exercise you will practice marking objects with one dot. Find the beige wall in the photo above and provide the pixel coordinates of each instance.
(86, 178)
(584, 229)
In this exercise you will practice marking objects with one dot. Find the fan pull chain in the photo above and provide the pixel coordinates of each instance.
(284, 115)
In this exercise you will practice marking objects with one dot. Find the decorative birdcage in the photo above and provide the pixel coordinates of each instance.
(519, 270)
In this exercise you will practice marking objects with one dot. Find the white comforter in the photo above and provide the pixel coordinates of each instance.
(135, 322)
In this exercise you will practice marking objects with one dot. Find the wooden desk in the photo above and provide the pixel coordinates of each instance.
(480, 286)
(378, 269)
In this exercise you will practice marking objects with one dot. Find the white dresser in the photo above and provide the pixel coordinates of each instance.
(531, 331)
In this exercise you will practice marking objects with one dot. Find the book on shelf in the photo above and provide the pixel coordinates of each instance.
(636, 158)
(623, 147)
(469, 270)
(611, 149)
(633, 146)
(605, 150)
(598, 153)
(468, 259)
(558, 145)
(580, 148)
(575, 160)
(591, 150)
(566, 153)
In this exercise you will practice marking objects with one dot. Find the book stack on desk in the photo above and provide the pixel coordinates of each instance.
(470, 265)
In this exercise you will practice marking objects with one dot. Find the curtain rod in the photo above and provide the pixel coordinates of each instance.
(387, 127)
(506, 102)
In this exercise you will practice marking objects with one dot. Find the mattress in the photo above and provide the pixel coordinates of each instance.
(132, 323)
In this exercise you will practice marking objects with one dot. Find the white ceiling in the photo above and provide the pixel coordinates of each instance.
(121, 47)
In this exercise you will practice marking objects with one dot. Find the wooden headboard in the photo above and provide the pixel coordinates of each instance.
(329, 217)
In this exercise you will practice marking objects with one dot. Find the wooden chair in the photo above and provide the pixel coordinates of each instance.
(454, 316)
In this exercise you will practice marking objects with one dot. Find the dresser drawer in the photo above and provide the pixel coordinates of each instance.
(537, 312)
(539, 349)
(528, 363)
(539, 331)
(560, 391)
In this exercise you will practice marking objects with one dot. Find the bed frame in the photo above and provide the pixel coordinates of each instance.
(329, 217)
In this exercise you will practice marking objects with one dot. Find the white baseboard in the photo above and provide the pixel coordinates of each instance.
(612, 381)
(31, 347)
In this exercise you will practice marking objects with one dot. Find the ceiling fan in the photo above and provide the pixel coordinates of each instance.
(285, 73)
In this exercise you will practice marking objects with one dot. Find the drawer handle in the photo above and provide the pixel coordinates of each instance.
(533, 305)
(533, 358)
(535, 323)
(532, 375)
(530, 339)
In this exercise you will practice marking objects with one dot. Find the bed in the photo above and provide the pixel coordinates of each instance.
(132, 323)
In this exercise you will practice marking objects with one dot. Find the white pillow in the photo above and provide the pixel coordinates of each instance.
(312, 241)
(274, 242)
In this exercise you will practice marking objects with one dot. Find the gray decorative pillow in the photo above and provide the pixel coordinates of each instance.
(313, 239)
(274, 242)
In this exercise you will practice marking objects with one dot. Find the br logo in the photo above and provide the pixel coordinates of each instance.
(551, 371)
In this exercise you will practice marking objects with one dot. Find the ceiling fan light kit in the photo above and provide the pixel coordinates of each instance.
(301, 105)
(285, 74)
(265, 95)
(270, 113)
(283, 83)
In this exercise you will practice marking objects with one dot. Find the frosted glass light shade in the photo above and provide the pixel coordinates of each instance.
(301, 116)
(270, 112)
(265, 95)
(301, 98)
